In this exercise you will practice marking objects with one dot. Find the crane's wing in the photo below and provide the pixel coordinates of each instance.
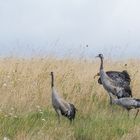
(68, 110)
(116, 75)
(63, 106)
(122, 78)
(73, 112)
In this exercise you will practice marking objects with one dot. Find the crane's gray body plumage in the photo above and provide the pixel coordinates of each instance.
(113, 86)
(127, 103)
(122, 78)
(62, 107)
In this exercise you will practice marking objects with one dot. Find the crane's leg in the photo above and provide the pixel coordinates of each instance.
(72, 121)
(111, 103)
(123, 110)
(110, 97)
(58, 114)
(110, 100)
(136, 113)
(128, 113)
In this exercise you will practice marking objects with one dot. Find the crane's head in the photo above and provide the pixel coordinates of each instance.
(51, 74)
(100, 56)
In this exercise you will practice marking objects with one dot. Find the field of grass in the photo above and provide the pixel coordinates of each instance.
(26, 112)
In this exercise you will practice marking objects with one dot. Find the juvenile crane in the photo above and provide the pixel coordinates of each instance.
(113, 86)
(127, 103)
(61, 107)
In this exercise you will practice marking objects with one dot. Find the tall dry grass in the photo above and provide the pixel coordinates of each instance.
(25, 100)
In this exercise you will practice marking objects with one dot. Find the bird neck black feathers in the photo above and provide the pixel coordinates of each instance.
(52, 82)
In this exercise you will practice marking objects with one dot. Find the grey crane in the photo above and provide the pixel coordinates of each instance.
(61, 106)
(127, 103)
(113, 86)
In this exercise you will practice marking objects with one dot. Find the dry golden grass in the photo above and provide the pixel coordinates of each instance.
(25, 88)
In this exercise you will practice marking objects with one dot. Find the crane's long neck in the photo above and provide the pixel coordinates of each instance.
(52, 82)
(101, 66)
(54, 93)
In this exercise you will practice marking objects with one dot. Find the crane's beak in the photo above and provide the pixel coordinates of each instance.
(96, 56)
(96, 75)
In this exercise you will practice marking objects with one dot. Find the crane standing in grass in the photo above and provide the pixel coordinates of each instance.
(61, 107)
(127, 103)
(113, 86)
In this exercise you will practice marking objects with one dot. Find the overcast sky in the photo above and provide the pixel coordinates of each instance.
(65, 27)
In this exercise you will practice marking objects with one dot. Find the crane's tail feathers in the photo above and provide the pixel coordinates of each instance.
(126, 92)
(129, 91)
(127, 76)
(137, 99)
(70, 113)
(138, 103)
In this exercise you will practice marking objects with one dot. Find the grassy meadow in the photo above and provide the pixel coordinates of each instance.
(26, 112)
